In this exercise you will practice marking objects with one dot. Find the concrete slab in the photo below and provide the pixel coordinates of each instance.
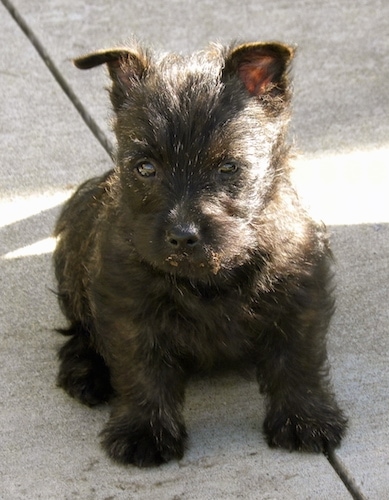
(49, 443)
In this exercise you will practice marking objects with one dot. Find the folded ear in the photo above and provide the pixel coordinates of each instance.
(126, 67)
(262, 67)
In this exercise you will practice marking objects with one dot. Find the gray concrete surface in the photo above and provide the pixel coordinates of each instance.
(48, 443)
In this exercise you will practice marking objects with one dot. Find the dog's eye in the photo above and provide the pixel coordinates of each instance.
(228, 168)
(146, 169)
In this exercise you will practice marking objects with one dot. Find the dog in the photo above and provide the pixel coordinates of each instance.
(195, 252)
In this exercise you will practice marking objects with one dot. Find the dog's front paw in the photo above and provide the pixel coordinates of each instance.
(143, 445)
(302, 431)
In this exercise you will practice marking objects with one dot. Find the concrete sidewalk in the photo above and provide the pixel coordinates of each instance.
(48, 443)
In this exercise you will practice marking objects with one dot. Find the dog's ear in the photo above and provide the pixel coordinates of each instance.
(126, 67)
(262, 67)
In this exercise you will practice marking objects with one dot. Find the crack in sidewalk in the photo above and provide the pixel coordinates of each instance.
(344, 475)
(56, 73)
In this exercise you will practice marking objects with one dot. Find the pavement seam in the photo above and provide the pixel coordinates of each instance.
(344, 475)
(56, 73)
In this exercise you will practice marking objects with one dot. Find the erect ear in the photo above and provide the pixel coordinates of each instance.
(262, 67)
(126, 67)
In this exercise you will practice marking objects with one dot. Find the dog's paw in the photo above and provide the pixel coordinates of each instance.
(318, 432)
(143, 445)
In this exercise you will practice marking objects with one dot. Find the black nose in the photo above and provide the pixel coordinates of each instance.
(183, 237)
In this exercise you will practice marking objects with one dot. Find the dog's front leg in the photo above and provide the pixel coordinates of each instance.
(302, 413)
(146, 426)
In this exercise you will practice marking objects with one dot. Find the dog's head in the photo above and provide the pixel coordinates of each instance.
(200, 149)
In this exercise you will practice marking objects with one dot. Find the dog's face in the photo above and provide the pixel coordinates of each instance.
(199, 151)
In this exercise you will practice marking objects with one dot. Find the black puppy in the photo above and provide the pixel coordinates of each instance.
(195, 251)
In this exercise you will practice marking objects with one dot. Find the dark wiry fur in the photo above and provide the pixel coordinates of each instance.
(195, 251)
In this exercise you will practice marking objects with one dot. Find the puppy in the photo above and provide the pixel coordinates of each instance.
(194, 251)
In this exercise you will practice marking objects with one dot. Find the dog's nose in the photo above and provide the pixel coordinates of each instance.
(183, 237)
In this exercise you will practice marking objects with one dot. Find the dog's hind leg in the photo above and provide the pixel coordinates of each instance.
(83, 373)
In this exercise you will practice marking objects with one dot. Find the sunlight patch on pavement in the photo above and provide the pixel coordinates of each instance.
(38, 248)
(348, 188)
(19, 208)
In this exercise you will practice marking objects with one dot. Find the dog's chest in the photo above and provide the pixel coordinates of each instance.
(207, 327)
